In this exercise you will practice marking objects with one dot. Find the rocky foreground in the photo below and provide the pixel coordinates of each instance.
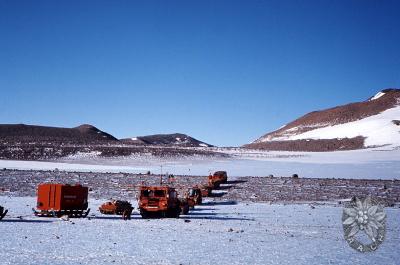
(18, 183)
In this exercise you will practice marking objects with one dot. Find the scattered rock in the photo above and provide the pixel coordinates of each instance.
(64, 218)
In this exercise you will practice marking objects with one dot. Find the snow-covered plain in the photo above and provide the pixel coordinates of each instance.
(375, 163)
(214, 233)
(41, 165)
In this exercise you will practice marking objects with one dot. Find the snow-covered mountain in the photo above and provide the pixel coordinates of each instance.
(175, 139)
(371, 123)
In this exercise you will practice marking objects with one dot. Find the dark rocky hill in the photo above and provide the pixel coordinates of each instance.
(33, 134)
(175, 139)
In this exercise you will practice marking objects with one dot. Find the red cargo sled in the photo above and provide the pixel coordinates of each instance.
(62, 199)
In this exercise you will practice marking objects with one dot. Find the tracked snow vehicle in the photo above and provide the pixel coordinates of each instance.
(184, 205)
(216, 179)
(159, 201)
(115, 207)
(194, 196)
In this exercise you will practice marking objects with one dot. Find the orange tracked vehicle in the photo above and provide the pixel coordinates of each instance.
(194, 196)
(116, 207)
(184, 206)
(206, 190)
(3, 212)
(62, 199)
(159, 201)
(217, 179)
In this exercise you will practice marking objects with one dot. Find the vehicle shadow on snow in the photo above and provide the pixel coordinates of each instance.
(219, 203)
(218, 218)
(107, 217)
(196, 209)
(235, 181)
(225, 187)
(217, 195)
(25, 221)
(200, 214)
(133, 216)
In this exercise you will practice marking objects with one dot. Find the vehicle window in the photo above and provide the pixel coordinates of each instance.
(159, 193)
(145, 193)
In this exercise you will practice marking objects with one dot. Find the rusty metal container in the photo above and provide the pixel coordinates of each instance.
(62, 199)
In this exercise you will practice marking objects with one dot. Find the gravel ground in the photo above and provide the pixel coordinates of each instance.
(242, 189)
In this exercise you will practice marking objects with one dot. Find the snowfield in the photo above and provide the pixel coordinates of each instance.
(40, 165)
(374, 163)
(378, 129)
(378, 95)
(219, 232)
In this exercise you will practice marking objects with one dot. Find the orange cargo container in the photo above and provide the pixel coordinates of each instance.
(62, 199)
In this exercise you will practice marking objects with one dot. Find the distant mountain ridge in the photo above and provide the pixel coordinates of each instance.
(33, 142)
(352, 126)
(175, 139)
(88, 134)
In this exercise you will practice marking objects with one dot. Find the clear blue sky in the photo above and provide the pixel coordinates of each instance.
(225, 72)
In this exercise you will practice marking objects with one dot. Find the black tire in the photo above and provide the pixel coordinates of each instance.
(174, 212)
(144, 214)
(3, 214)
(185, 209)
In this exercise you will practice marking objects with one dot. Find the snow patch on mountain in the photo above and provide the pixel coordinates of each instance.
(285, 135)
(378, 95)
(378, 130)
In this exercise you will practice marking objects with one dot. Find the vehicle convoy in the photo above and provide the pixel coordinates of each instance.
(117, 207)
(194, 196)
(62, 199)
(159, 201)
(218, 178)
(3, 212)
